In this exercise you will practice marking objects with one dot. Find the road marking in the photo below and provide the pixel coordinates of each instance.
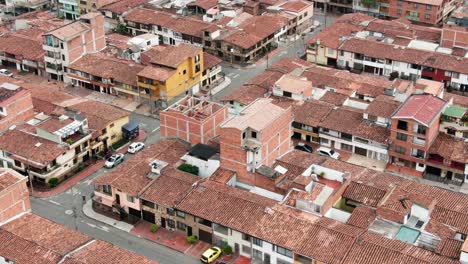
(54, 202)
(104, 228)
(231, 74)
(69, 212)
(235, 76)
(91, 225)
(156, 129)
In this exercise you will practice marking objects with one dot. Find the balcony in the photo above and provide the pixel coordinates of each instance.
(418, 141)
(438, 160)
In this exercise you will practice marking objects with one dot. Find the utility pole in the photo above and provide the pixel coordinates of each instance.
(325, 14)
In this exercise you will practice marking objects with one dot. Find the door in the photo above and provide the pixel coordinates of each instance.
(360, 151)
(205, 236)
(236, 248)
(148, 216)
(189, 230)
(308, 138)
(163, 222)
(266, 258)
(117, 199)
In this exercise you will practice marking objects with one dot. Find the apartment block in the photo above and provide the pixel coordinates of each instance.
(415, 126)
(64, 45)
(15, 105)
(257, 136)
(193, 120)
(70, 9)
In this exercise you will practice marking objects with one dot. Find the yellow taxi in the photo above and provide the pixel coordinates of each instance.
(210, 255)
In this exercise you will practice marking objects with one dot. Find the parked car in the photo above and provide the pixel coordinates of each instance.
(6, 72)
(328, 153)
(304, 147)
(114, 160)
(135, 147)
(210, 255)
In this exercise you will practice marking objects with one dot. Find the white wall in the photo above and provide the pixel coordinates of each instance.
(205, 168)
(419, 212)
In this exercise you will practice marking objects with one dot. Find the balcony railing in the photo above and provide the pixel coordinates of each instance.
(418, 141)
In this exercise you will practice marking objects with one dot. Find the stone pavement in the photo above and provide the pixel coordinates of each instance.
(89, 212)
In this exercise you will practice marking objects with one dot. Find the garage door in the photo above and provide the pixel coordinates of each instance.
(205, 236)
(360, 151)
(433, 170)
(148, 216)
(134, 212)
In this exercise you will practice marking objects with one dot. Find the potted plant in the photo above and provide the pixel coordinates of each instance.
(192, 239)
(153, 228)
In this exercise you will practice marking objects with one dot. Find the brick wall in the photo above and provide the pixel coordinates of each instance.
(19, 109)
(14, 199)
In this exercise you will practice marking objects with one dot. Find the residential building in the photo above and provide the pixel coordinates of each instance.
(69, 9)
(204, 157)
(171, 29)
(307, 118)
(454, 121)
(115, 11)
(433, 12)
(87, 6)
(15, 105)
(200, 7)
(171, 71)
(22, 52)
(212, 74)
(29, 238)
(361, 43)
(414, 126)
(65, 45)
(459, 16)
(118, 78)
(54, 150)
(454, 37)
(257, 136)
(192, 119)
(14, 195)
(114, 194)
(293, 86)
(302, 12)
(23, 6)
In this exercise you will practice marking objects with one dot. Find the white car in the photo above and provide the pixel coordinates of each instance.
(135, 147)
(328, 153)
(6, 73)
(114, 160)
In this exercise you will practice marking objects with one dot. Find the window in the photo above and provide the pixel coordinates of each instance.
(427, 16)
(104, 131)
(61, 45)
(330, 51)
(402, 125)
(398, 12)
(287, 94)
(107, 189)
(455, 75)
(428, 7)
(346, 136)
(284, 252)
(253, 134)
(257, 241)
(180, 214)
(401, 136)
(17, 163)
(148, 204)
(465, 134)
(451, 131)
(400, 149)
(181, 226)
(243, 135)
(130, 198)
(400, 3)
(421, 130)
(245, 237)
(63, 57)
(170, 211)
(184, 72)
(197, 68)
(246, 249)
(170, 223)
(197, 58)
(415, 5)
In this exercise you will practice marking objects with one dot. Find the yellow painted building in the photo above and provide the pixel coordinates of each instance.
(171, 72)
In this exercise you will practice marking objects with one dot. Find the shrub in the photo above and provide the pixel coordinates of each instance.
(153, 228)
(189, 169)
(69, 141)
(322, 174)
(53, 182)
(192, 239)
(227, 250)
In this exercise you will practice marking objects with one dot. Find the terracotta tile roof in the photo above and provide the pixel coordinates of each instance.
(169, 188)
(22, 251)
(295, 6)
(421, 108)
(371, 248)
(331, 36)
(118, 40)
(131, 177)
(184, 25)
(157, 73)
(209, 61)
(295, 194)
(50, 235)
(311, 112)
(245, 94)
(205, 4)
(334, 98)
(383, 106)
(450, 148)
(54, 124)
(122, 71)
(123, 6)
(99, 115)
(362, 217)
(22, 47)
(31, 147)
(98, 250)
(361, 193)
(222, 175)
(8, 178)
(172, 56)
(69, 31)
(450, 248)
(457, 99)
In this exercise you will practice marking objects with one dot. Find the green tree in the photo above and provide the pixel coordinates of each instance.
(53, 182)
(121, 29)
(189, 168)
(368, 3)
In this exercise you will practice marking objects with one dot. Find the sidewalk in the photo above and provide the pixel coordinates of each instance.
(89, 212)
(221, 86)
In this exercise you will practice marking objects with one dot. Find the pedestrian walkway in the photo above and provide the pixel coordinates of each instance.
(221, 86)
(89, 212)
